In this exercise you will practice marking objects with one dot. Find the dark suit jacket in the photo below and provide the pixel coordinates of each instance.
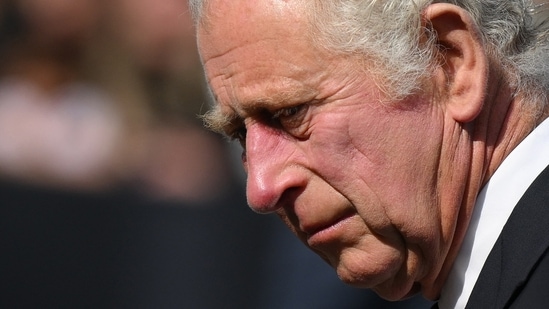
(516, 273)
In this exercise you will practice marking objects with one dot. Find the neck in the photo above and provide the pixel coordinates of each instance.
(521, 119)
(489, 140)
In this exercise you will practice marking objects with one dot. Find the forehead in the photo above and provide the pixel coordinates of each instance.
(230, 26)
(234, 21)
(257, 50)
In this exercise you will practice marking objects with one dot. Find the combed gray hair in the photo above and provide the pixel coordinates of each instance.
(391, 35)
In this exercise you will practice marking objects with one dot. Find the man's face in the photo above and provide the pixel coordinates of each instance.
(353, 176)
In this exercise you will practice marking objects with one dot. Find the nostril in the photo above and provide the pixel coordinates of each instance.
(262, 210)
(269, 201)
(244, 161)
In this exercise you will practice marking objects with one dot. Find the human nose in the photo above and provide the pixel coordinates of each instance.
(271, 172)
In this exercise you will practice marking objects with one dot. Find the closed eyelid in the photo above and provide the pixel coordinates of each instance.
(282, 111)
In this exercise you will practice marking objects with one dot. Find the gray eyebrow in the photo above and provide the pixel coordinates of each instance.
(218, 121)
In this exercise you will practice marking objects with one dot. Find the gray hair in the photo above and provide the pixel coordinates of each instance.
(195, 7)
(389, 34)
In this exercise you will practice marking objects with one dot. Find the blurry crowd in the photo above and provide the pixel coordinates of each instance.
(98, 105)
(96, 93)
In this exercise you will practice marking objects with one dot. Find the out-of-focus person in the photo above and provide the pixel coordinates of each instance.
(58, 127)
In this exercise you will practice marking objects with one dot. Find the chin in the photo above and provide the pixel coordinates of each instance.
(388, 279)
(397, 291)
(362, 276)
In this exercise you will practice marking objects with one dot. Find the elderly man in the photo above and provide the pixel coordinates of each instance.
(402, 140)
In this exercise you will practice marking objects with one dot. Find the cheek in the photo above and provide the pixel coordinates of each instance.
(343, 158)
(384, 164)
(398, 162)
(350, 154)
(331, 148)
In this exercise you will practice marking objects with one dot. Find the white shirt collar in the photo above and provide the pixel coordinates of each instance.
(494, 205)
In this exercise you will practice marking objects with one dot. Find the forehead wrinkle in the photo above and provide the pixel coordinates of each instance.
(268, 86)
(260, 68)
(232, 47)
(266, 90)
(276, 97)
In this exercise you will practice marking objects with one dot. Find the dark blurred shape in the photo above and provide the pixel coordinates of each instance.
(62, 249)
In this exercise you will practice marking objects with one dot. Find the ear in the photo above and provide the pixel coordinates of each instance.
(463, 72)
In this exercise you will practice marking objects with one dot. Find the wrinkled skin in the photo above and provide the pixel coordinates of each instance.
(374, 187)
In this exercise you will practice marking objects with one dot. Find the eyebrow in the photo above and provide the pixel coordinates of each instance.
(218, 121)
(227, 122)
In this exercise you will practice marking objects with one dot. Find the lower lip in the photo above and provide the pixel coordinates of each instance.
(329, 234)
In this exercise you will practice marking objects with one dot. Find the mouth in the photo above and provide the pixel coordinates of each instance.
(322, 233)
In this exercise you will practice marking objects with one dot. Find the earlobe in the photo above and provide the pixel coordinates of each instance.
(463, 61)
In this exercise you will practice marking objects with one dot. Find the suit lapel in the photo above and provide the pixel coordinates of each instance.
(524, 239)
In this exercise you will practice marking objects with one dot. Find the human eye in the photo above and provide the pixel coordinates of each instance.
(291, 119)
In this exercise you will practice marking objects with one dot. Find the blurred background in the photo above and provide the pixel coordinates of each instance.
(112, 195)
